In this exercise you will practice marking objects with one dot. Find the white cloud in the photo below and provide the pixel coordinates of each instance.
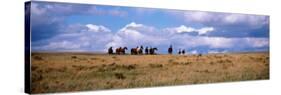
(77, 37)
(35, 10)
(133, 34)
(183, 28)
(64, 45)
(224, 19)
(204, 30)
(94, 38)
(99, 11)
(216, 51)
(194, 52)
(201, 31)
(97, 28)
(222, 42)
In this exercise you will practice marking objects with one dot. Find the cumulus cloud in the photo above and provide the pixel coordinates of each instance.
(36, 10)
(226, 24)
(193, 52)
(215, 51)
(133, 34)
(53, 15)
(99, 11)
(81, 38)
(184, 29)
(97, 28)
(60, 45)
(224, 19)
(93, 37)
(207, 32)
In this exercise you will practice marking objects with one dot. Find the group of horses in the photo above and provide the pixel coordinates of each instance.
(140, 50)
(134, 51)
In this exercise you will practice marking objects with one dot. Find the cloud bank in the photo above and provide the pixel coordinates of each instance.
(196, 32)
(92, 37)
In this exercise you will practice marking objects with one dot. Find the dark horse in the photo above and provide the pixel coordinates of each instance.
(121, 50)
(140, 50)
(137, 50)
(170, 50)
(110, 50)
(152, 50)
(134, 51)
(146, 50)
(183, 51)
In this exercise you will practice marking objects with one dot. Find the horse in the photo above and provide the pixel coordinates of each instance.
(140, 50)
(121, 50)
(118, 50)
(179, 52)
(110, 50)
(152, 50)
(146, 50)
(134, 51)
(170, 50)
(183, 51)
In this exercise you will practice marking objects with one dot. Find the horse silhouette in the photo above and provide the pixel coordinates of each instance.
(179, 51)
(183, 51)
(137, 50)
(121, 50)
(140, 50)
(134, 51)
(152, 50)
(170, 50)
(146, 50)
(110, 50)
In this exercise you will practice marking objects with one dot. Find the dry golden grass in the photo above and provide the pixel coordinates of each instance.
(60, 72)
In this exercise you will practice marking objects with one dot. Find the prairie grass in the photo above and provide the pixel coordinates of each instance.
(60, 72)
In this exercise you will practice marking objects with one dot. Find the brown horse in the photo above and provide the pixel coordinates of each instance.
(134, 51)
(121, 50)
(140, 50)
(137, 50)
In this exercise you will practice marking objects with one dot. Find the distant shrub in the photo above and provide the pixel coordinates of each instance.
(224, 61)
(130, 67)
(176, 63)
(212, 63)
(119, 76)
(103, 60)
(114, 57)
(63, 69)
(36, 77)
(170, 60)
(73, 57)
(182, 63)
(94, 58)
(203, 71)
(186, 63)
(156, 65)
(38, 58)
(33, 68)
(112, 64)
(267, 58)
(79, 67)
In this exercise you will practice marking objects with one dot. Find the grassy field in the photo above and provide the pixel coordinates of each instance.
(60, 72)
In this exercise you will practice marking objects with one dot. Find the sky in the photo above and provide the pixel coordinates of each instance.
(94, 28)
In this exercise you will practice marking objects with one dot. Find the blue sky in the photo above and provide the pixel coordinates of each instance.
(94, 28)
